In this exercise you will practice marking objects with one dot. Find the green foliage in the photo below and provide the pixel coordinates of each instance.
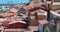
(3, 11)
(47, 29)
(58, 30)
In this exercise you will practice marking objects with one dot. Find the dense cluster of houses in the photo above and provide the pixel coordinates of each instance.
(11, 21)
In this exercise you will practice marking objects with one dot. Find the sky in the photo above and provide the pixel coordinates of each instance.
(13, 1)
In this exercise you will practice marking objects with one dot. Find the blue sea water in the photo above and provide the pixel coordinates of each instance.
(13, 1)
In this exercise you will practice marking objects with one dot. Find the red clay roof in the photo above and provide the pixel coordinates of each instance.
(37, 8)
